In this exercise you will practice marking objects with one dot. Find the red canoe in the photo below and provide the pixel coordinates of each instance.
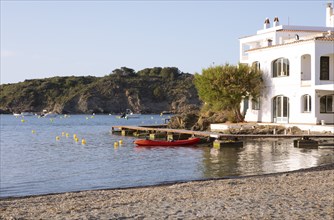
(189, 141)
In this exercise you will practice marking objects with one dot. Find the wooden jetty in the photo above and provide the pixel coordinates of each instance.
(219, 140)
(158, 129)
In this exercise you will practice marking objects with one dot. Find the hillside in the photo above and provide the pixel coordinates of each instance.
(151, 90)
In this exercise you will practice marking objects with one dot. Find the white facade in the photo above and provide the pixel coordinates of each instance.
(298, 67)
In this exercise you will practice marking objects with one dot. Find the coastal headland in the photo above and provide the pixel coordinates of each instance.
(302, 194)
(148, 92)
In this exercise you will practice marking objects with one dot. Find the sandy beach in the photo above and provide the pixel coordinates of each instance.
(303, 194)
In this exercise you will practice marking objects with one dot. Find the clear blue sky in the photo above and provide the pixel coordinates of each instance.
(42, 39)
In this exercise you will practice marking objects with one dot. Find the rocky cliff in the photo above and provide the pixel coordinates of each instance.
(114, 93)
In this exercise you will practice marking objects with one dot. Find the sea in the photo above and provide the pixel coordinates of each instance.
(48, 155)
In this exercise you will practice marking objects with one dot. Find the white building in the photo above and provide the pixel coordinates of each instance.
(298, 67)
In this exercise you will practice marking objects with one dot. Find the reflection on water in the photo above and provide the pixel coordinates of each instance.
(261, 157)
(36, 163)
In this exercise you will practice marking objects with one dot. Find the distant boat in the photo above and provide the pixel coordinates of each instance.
(50, 115)
(129, 114)
(27, 114)
(166, 113)
(23, 114)
(190, 141)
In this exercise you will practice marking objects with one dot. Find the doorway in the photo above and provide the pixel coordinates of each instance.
(281, 109)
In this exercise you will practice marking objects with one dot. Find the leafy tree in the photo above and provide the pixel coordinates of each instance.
(124, 71)
(224, 87)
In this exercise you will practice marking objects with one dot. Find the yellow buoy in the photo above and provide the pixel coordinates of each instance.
(62, 133)
(57, 138)
(67, 134)
(33, 131)
(76, 139)
(120, 142)
(22, 120)
(91, 116)
(116, 144)
(83, 141)
(74, 136)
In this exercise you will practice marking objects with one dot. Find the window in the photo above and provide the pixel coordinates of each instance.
(326, 104)
(324, 68)
(256, 65)
(281, 67)
(256, 104)
(306, 103)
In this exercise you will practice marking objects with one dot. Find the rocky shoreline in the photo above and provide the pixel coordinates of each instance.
(302, 194)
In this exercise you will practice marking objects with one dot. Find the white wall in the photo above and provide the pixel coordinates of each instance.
(289, 86)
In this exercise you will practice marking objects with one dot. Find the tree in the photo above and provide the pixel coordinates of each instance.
(124, 71)
(224, 87)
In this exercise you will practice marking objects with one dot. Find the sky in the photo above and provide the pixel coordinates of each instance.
(41, 39)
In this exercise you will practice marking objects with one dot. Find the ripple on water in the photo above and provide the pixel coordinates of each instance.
(36, 163)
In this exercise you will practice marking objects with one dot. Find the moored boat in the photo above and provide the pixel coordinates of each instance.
(46, 114)
(50, 115)
(129, 114)
(190, 141)
(23, 114)
(27, 114)
(166, 113)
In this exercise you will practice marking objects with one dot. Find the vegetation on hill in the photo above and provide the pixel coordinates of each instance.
(150, 90)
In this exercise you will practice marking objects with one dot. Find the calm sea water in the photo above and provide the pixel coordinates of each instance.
(33, 162)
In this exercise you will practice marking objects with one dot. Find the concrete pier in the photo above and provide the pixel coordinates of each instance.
(215, 135)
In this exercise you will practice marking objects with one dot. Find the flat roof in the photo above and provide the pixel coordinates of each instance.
(331, 38)
(291, 28)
